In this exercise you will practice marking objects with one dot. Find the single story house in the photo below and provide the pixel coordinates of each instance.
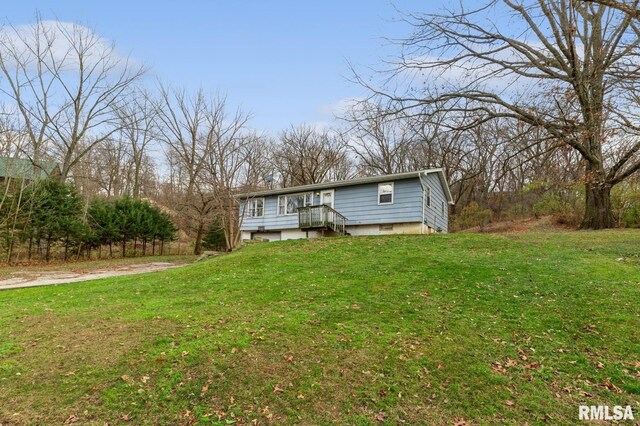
(402, 203)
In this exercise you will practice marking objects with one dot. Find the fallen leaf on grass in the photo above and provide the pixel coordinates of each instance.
(72, 419)
(380, 416)
(613, 388)
(509, 403)
(459, 422)
(522, 354)
(277, 389)
(498, 368)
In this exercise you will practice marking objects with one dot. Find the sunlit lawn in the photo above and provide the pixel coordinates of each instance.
(499, 329)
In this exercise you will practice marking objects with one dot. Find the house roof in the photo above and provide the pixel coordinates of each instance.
(23, 168)
(356, 181)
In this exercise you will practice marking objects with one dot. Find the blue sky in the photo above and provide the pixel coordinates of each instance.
(283, 61)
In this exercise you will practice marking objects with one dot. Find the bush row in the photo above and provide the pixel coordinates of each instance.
(50, 218)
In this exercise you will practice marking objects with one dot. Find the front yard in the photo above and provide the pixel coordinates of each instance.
(473, 329)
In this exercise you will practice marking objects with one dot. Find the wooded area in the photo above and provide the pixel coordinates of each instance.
(540, 118)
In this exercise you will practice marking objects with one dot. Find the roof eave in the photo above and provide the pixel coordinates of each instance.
(351, 182)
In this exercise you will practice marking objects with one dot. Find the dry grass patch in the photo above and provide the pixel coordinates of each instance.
(67, 361)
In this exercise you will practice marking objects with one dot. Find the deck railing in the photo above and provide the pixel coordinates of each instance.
(321, 216)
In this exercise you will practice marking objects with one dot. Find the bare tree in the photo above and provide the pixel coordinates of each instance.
(563, 68)
(184, 127)
(137, 118)
(65, 80)
(224, 163)
(305, 155)
(629, 7)
(104, 170)
(234, 167)
(14, 183)
(381, 141)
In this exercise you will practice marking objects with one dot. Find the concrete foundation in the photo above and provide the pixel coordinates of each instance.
(384, 229)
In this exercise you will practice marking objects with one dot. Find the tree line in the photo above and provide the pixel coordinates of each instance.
(532, 118)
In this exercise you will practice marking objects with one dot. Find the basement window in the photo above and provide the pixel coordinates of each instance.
(386, 227)
(385, 193)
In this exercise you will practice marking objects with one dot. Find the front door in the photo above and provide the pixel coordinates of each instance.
(326, 198)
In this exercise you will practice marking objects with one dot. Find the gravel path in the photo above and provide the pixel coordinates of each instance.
(66, 277)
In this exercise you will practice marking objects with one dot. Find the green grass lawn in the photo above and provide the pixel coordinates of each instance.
(478, 329)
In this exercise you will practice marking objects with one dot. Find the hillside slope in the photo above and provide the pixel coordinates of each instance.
(479, 329)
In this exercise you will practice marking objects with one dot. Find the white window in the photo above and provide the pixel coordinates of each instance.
(427, 195)
(288, 204)
(255, 207)
(385, 193)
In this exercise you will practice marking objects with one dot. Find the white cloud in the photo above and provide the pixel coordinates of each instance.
(339, 107)
(59, 42)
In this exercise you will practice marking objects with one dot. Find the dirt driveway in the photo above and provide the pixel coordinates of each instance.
(34, 279)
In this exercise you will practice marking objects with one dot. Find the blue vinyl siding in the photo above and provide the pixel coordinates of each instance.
(359, 204)
(433, 215)
(271, 220)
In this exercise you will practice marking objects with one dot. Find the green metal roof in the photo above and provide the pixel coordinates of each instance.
(22, 168)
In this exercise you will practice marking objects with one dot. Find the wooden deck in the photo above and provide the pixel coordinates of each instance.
(321, 217)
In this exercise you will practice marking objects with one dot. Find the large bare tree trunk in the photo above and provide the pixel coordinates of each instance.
(199, 236)
(597, 214)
